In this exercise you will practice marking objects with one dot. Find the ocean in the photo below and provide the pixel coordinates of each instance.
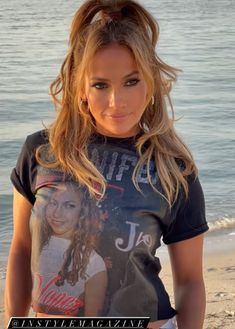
(195, 36)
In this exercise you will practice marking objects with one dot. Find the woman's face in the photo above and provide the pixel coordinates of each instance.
(116, 92)
(62, 212)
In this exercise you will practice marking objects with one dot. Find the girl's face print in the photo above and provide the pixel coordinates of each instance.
(62, 212)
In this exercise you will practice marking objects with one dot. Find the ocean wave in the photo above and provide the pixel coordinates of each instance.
(221, 224)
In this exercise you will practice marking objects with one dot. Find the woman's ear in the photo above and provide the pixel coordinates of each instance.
(83, 96)
(84, 89)
(83, 99)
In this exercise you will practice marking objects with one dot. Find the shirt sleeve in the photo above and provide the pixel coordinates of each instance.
(21, 175)
(96, 264)
(189, 220)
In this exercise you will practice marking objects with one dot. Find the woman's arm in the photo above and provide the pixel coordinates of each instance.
(95, 290)
(18, 278)
(189, 290)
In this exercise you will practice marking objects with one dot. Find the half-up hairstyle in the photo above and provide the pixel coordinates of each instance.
(98, 24)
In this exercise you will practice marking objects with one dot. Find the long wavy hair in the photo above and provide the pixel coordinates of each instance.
(98, 24)
(83, 240)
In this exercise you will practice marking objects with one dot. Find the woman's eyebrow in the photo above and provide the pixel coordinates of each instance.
(125, 77)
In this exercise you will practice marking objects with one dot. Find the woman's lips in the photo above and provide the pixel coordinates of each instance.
(118, 116)
(57, 222)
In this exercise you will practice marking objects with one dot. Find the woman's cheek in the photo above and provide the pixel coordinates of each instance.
(48, 213)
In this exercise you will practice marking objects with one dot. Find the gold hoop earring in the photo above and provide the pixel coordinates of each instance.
(153, 100)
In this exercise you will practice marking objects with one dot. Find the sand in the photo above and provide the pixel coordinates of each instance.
(219, 275)
(220, 287)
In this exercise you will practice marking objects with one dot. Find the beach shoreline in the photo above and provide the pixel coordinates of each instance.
(219, 276)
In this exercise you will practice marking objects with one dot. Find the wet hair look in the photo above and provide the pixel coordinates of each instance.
(98, 24)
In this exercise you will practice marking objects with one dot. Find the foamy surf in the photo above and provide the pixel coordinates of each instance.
(224, 223)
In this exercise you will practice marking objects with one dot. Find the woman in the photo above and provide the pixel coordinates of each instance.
(66, 224)
(113, 133)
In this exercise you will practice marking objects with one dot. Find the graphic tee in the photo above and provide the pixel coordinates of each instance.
(80, 242)
(48, 296)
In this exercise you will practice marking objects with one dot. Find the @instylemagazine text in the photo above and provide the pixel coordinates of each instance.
(21, 322)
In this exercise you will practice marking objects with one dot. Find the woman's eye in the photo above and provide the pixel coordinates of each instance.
(132, 82)
(69, 205)
(99, 85)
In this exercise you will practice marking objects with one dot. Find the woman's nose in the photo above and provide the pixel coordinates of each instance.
(117, 100)
(57, 211)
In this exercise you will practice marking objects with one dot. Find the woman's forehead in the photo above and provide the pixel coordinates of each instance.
(112, 60)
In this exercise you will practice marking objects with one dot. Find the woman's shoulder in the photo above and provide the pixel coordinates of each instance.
(192, 171)
(181, 164)
(36, 139)
(96, 262)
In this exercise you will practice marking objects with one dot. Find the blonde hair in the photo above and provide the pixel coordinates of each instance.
(98, 24)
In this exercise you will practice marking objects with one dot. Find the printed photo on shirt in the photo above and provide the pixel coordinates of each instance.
(67, 261)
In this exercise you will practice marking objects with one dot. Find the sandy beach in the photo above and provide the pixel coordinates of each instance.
(220, 286)
(219, 274)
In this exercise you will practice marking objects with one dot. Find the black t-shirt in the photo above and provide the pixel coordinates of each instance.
(113, 239)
